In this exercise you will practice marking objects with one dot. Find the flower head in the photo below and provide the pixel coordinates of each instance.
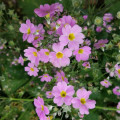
(82, 53)
(21, 60)
(117, 70)
(31, 69)
(86, 64)
(108, 17)
(63, 93)
(41, 109)
(105, 83)
(116, 90)
(49, 94)
(45, 77)
(28, 29)
(60, 57)
(118, 14)
(82, 102)
(118, 107)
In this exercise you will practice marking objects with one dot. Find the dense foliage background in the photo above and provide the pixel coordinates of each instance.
(14, 81)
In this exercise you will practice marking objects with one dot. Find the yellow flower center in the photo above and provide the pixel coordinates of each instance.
(35, 38)
(83, 100)
(66, 24)
(106, 82)
(37, 30)
(59, 55)
(48, 15)
(31, 69)
(71, 37)
(54, 28)
(80, 51)
(50, 93)
(35, 54)
(45, 76)
(119, 71)
(47, 53)
(62, 78)
(50, 118)
(28, 31)
(42, 107)
(63, 94)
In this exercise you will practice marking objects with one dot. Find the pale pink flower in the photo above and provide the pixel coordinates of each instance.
(31, 69)
(107, 17)
(86, 64)
(72, 36)
(49, 94)
(60, 57)
(118, 107)
(85, 17)
(105, 83)
(82, 102)
(63, 93)
(45, 77)
(117, 70)
(21, 60)
(82, 53)
(98, 29)
(116, 90)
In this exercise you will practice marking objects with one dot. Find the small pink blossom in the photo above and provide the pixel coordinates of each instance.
(49, 94)
(63, 93)
(100, 43)
(85, 17)
(57, 7)
(118, 107)
(105, 83)
(72, 36)
(44, 55)
(32, 55)
(116, 90)
(117, 70)
(109, 28)
(41, 109)
(108, 17)
(60, 76)
(45, 77)
(82, 102)
(15, 61)
(21, 60)
(82, 53)
(99, 29)
(31, 69)
(86, 64)
(60, 57)
(28, 29)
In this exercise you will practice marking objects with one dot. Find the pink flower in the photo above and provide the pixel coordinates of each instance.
(72, 36)
(45, 77)
(82, 102)
(82, 53)
(45, 10)
(65, 20)
(41, 109)
(44, 55)
(86, 64)
(86, 43)
(15, 61)
(99, 29)
(49, 94)
(21, 60)
(85, 17)
(105, 83)
(100, 43)
(31, 69)
(108, 17)
(117, 70)
(63, 93)
(28, 29)
(32, 55)
(60, 58)
(118, 107)
(109, 28)
(60, 76)
(116, 90)
(52, 28)
(57, 7)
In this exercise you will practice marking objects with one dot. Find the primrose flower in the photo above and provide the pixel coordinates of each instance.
(52, 28)
(32, 55)
(63, 93)
(117, 70)
(45, 77)
(105, 83)
(21, 60)
(15, 61)
(65, 20)
(57, 7)
(109, 28)
(82, 53)
(118, 107)
(49, 94)
(116, 90)
(82, 102)
(31, 69)
(60, 76)
(45, 11)
(72, 36)
(99, 29)
(41, 109)
(118, 14)
(60, 57)
(85, 17)
(28, 29)
(86, 64)
(108, 17)
(100, 43)
(44, 55)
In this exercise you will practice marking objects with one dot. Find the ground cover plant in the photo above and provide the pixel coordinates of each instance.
(60, 60)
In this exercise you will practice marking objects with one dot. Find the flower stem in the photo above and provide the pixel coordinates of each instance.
(106, 108)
